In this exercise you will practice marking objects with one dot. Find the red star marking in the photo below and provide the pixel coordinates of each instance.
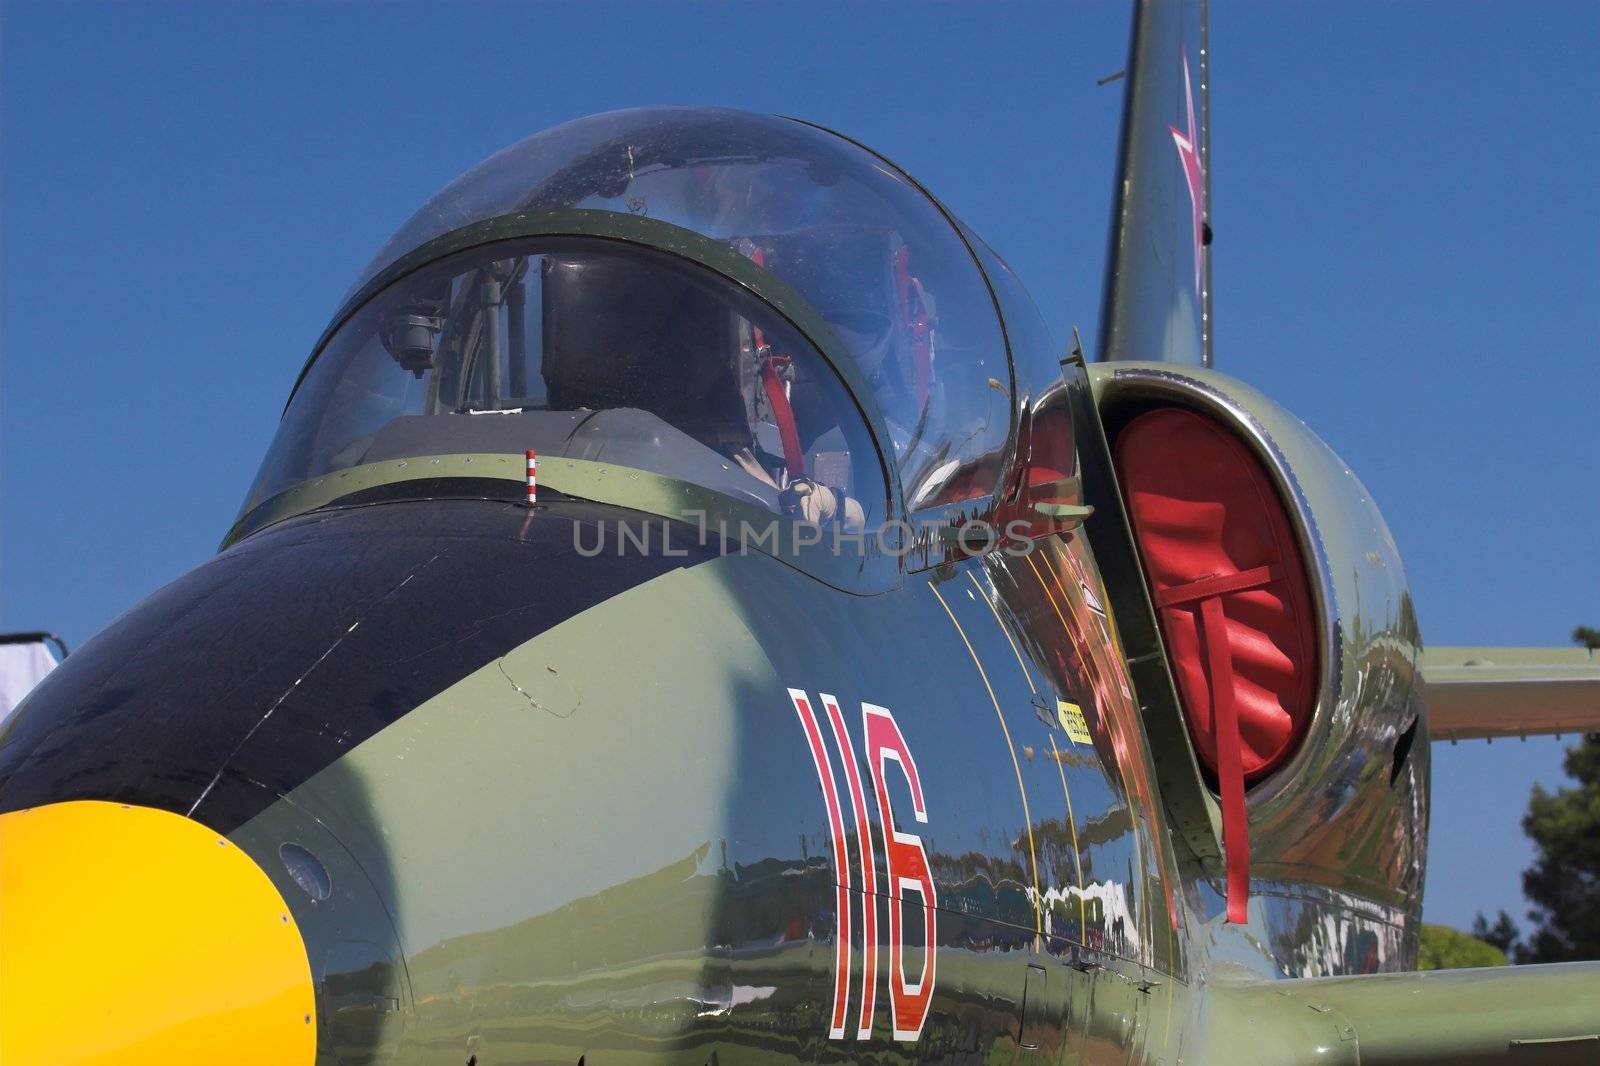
(1189, 156)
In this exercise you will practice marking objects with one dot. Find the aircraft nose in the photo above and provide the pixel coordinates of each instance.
(134, 935)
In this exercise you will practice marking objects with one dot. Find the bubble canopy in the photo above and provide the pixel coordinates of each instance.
(591, 349)
(880, 271)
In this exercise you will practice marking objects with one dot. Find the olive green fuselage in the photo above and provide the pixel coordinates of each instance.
(559, 802)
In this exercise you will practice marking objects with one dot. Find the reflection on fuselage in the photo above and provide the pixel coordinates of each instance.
(628, 867)
(1046, 645)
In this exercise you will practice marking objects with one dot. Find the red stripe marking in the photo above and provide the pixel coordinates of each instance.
(869, 878)
(841, 863)
(907, 867)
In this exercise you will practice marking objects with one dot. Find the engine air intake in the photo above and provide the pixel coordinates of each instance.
(1220, 554)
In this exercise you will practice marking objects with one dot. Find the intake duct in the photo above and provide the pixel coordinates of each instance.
(1233, 600)
(1264, 615)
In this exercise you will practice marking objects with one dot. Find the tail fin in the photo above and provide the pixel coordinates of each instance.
(1158, 272)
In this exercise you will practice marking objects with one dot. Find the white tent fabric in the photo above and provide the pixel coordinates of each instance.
(22, 666)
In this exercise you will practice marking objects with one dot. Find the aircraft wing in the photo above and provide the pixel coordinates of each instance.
(1514, 1014)
(1474, 693)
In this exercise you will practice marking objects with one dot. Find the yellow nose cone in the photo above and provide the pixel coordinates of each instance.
(130, 935)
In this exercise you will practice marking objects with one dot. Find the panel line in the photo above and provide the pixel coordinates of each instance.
(1038, 917)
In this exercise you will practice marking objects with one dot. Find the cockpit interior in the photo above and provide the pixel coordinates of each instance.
(746, 304)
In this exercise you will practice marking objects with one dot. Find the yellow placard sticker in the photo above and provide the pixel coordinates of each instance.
(1071, 717)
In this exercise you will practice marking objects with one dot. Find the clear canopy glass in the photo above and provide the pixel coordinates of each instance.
(586, 349)
(872, 254)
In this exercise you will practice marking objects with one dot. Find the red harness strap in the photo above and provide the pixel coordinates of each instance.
(1208, 592)
(794, 457)
(783, 413)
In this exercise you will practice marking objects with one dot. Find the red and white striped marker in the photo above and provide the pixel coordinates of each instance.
(533, 477)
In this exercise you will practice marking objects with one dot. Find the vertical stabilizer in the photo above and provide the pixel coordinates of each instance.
(1158, 272)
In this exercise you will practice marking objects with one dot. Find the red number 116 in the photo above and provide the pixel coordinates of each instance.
(904, 859)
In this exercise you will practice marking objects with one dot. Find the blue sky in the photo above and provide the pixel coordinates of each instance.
(1407, 254)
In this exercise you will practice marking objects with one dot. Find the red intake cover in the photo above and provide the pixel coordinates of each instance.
(1210, 524)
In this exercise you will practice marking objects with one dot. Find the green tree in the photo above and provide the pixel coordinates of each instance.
(1443, 948)
(1563, 884)
(1503, 934)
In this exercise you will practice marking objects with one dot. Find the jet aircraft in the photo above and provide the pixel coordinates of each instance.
(693, 611)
